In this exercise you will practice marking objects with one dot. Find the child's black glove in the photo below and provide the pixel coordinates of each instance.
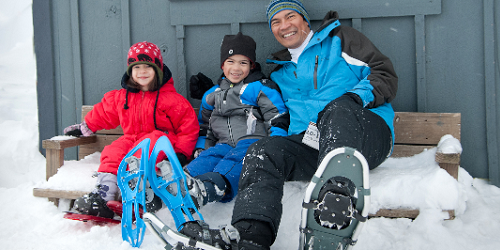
(198, 85)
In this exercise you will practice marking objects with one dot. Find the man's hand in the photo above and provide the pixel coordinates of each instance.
(349, 95)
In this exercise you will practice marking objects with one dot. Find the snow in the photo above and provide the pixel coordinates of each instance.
(35, 223)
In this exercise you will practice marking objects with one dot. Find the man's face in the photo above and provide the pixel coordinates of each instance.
(289, 28)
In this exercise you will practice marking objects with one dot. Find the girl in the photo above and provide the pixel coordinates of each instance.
(147, 106)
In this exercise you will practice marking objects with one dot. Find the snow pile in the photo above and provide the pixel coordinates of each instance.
(449, 145)
(414, 182)
(75, 175)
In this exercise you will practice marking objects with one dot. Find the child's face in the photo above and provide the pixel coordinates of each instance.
(236, 68)
(143, 74)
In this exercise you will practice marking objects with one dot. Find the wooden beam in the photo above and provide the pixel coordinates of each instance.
(405, 213)
(61, 194)
(425, 128)
(62, 144)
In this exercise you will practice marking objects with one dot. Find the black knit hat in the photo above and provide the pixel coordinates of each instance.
(237, 45)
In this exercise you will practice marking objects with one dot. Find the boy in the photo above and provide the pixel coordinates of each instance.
(242, 108)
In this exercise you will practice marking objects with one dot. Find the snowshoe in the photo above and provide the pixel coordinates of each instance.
(116, 207)
(132, 183)
(171, 239)
(90, 218)
(171, 186)
(87, 211)
(336, 202)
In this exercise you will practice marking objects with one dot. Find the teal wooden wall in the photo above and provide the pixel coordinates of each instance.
(445, 52)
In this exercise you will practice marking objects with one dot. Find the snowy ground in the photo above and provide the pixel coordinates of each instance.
(35, 223)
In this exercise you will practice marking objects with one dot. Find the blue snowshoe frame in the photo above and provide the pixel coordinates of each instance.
(174, 191)
(180, 203)
(133, 198)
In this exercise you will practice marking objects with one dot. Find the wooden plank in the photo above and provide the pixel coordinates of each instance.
(54, 158)
(447, 158)
(425, 128)
(405, 213)
(451, 168)
(396, 213)
(97, 146)
(62, 144)
(62, 194)
(409, 150)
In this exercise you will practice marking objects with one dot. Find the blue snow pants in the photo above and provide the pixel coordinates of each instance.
(222, 159)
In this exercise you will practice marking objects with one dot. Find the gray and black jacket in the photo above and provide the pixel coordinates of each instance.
(250, 109)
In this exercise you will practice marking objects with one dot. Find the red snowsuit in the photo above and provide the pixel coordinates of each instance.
(174, 116)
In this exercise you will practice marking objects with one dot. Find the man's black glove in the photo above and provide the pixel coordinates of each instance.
(198, 85)
(347, 96)
(353, 97)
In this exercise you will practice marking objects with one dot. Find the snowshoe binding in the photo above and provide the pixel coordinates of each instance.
(202, 239)
(336, 202)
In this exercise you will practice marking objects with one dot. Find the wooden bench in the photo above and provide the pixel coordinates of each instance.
(414, 132)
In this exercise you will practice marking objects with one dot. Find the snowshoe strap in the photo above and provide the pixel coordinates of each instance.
(232, 235)
(205, 236)
(311, 205)
(359, 217)
(349, 241)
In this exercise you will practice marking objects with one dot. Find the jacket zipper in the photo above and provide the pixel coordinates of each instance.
(316, 73)
(230, 130)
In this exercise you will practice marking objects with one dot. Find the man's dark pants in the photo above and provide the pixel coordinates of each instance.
(273, 160)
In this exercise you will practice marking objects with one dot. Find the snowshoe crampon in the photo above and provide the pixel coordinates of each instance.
(336, 202)
(171, 186)
(132, 183)
(170, 238)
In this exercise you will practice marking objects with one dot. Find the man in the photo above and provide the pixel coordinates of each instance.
(333, 76)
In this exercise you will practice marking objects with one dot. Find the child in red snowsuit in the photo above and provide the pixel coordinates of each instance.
(147, 106)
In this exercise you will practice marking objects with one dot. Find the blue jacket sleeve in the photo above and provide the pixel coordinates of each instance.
(265, 95)
(204, 118)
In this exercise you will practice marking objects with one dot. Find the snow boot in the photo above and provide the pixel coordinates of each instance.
(93, 204)
(336, 202)
(227, 237)
(205, 188)
(224, 238)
